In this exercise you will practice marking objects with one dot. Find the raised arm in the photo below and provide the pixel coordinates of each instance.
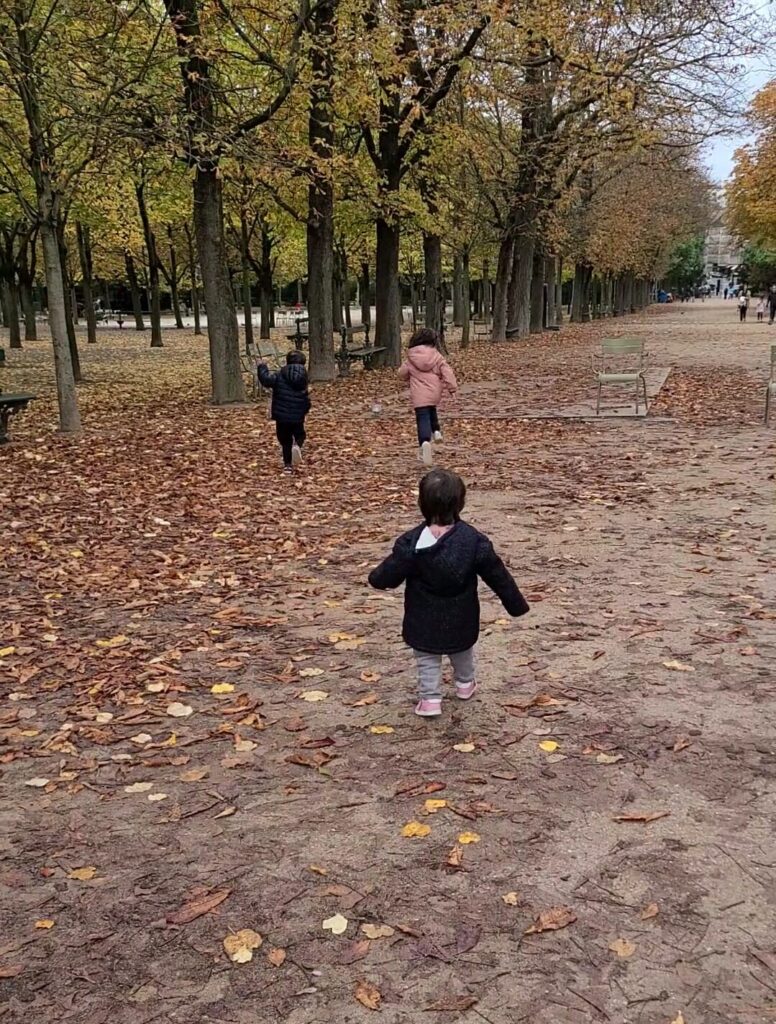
(495, 574)
(392, 572)
(266, 377)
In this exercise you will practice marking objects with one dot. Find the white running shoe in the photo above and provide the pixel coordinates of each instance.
(296, 455)
(427, 454)
(438, 435)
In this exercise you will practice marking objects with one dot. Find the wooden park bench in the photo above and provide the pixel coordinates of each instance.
(367, 353)
(480, 326)
(106, 315)
(770, 390)
(10, 405)
(621, 361)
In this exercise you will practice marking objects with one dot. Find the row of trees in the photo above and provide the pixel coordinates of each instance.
(193, 138)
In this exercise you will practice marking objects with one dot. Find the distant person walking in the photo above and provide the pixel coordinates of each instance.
(761, 309)
(726, 292)
(772, 304)
(742, 307)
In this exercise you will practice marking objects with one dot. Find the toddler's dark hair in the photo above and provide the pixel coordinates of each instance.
(442, 497)
(425, 336)
(296, 357)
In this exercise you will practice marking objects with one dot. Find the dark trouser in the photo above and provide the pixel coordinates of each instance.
(742, 313)
(288, 433)
(771, 312)
(428, 422)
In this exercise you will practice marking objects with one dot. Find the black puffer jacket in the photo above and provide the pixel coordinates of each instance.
(290, 397)
(441, 606)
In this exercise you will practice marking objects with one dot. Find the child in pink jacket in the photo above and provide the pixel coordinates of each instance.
(429, 375)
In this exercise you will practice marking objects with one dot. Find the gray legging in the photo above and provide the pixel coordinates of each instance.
(430, 672)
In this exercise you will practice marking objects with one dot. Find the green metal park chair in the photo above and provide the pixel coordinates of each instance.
(621, 361)
(770, 390)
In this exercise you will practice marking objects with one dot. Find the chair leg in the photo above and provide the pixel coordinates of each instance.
(767, 405)
(598, 401)
(646, 400)
(637, 397)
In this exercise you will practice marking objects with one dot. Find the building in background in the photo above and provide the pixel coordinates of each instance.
(722, 250)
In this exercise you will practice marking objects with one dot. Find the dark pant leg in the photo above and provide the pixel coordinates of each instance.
(434, 419)
(423, 420)
(285, 432)
(298, 432)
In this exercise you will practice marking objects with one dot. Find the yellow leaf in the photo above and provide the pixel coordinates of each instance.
(381, 730)
(415, 830)
(156, 797)
(336, 637)
(432, 806)
(5, 651)
(76, 553)
(368, 995)
(139, 787)
(240, 946)
(171, 740)
(313, 695)
(317, 869)
(370, 677)
(337, 925)
(678, 666)
(47, 923)
(608, 758)
(178, 710)
(114, 641)
(464, 748)
(622, 947)
(222, 688)
(468, 837)
(651, 910)
(156, 687)
(377, 931)
(511, 898)
(548, 746)
(679, 1019)
(82, 874)
(308, 673)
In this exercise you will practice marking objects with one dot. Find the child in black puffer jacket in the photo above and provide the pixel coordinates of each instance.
(441, 563)
(290, 405)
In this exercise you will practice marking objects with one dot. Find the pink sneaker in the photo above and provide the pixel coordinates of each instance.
(465, 691)
(428, 708)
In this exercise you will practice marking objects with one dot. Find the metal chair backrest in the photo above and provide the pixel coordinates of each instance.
(773, 361)
(622, 352)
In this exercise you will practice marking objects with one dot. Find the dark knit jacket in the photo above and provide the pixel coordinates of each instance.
(441, 606)
(290, 397)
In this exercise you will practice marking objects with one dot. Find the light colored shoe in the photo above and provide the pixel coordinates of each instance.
(428, 708)
(427, 453)
(296, 455)
(465, 691)
(288, 470)
(438, 435)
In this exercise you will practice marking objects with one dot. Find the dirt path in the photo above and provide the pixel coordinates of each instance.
(163, 555)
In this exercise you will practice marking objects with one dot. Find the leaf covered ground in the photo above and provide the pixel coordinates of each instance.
(217, 805)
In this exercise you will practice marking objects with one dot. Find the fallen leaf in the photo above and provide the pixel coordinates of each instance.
(139, 787)
(198, 907)
(178, 710)
(114, 641)
(415, 830)
(367, 994)
(141, 739)
(194, 775)
(678, 666)
(277, 957)
(226, 813)
(622, 947)
(222, 688)
(455, 857)
(467, 938)
(368, 698)
(156, 797)
(679, 1019)
(82, 874)
(13, 970)
(337, 925)
(313, 695)
(37, 783)
(370, 677)
(511, 898)
(643, 818)
(103, 717)
(549, 746)
(608, 758)
(377, 931)
(156, 687)
(308, 673)
(46, 924)
(468, 837)
(5, 652)
(432, 806)
(551, 920)
(356, 950)
(244, 746)
(452, 1004)
(336, 637)
(651, 910)
(350, 645)
(317, 869)
(464, 748)
(240, 946)
(381, 730)
(681, 744)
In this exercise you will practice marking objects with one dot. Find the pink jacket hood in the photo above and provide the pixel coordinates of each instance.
(425, 358)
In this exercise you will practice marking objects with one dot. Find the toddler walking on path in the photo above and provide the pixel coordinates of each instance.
(429, 375)
(290, 405)
(440, 562)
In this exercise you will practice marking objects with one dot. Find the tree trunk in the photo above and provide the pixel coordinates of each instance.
(134, 291)
(506, 255)
(336, 296)
(11, 307)
(577, 296)
(457, 290)
(549, 275)
(247, 301)
(155, 299)
(524, 254)
(67, 289)
(225, 368)
(387, 293)
(366, 301)
(266, 288)
(174, 295)
(512, 292)
(85, 259)
(537, 294)
(346, 288)
(432, 263)
(28, 310)
(465, 305)
(487, 308)
(69, 417)
(559, 292)
(193, 275)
